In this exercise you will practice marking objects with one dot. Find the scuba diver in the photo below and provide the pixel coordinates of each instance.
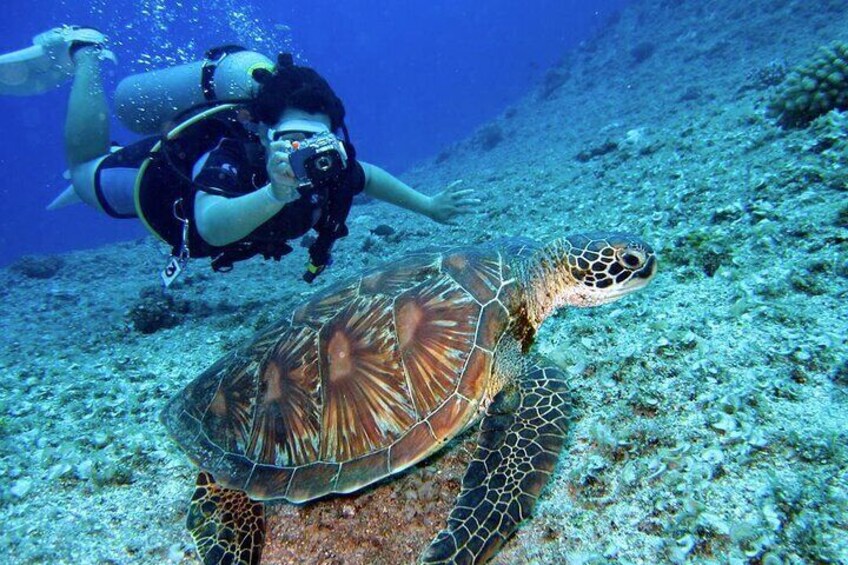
(246, 154)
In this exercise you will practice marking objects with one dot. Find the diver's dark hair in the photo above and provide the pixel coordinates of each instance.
(293, 86)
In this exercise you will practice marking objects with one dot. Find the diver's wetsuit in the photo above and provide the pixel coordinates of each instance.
(232, 168)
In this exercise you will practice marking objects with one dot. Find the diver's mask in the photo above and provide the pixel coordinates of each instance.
(296, 129)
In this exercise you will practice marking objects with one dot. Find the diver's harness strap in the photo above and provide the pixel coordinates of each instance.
(332, 225)
(213, 58)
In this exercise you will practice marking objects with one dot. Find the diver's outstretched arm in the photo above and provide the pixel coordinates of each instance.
(443, 207)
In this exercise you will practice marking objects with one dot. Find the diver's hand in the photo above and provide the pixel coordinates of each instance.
(283, 182)
(452, 202)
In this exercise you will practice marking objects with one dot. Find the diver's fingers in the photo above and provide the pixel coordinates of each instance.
(279, 158)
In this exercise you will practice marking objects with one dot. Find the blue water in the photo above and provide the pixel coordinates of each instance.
(414, 75)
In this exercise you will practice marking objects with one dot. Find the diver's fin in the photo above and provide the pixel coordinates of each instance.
(66, 198)
(47, 63)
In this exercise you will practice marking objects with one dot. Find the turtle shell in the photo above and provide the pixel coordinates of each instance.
(360, 382)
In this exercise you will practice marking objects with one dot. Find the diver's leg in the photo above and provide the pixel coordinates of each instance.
(46, 64)
(87, 123)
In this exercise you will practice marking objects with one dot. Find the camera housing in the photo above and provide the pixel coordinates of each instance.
(317, 161)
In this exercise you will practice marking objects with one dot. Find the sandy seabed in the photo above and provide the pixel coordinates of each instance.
(712, 406)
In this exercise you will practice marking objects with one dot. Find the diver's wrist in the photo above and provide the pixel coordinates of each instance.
(430, 207)
(280, 194)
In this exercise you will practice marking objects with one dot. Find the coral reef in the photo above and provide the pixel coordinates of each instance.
(813, 89)
(38, 267)
(489, 136)
(154, 311)
(642, 52)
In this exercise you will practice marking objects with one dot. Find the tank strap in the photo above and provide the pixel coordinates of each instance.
(213, 58)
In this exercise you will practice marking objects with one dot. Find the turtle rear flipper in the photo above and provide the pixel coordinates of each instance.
(519, 444)
(227, 526)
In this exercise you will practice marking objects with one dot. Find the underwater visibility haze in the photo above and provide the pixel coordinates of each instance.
(702, 145)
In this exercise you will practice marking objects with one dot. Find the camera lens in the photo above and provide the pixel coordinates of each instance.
(324, 163)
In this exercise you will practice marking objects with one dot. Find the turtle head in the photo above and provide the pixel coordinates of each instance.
(587, 270)
(603, 267)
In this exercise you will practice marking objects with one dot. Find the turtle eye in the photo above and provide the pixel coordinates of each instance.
(631, 258)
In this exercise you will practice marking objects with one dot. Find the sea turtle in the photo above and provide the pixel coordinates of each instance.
(376, 373)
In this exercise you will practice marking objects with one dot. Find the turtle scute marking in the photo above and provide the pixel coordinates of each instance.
(409, 318)
(324, 306)
(443, 422)
(478, 273)
(311, 481)
(408, 450)
(218, 407)
(285, 427)
(366, 402)
(436, 323)
(477, 374)
(340, 362)
(390, 281)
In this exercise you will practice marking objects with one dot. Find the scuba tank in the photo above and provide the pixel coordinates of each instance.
(148, 102)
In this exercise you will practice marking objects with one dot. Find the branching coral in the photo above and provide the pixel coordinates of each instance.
(814, 89)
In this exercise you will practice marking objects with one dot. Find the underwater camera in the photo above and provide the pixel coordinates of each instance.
(318, 160)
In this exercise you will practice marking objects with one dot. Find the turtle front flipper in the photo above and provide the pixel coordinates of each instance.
(519, 444)
(227, 526)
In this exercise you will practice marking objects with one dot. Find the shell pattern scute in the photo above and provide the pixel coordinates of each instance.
(321, 308)
(436, 323)
(269, 482)
(228, 417)
(367, 403)
(286, 424)
(416, 443)
(494, 320)
(407, 273)
(443, 422)
(478, 272)
(363, 380)
(358, 472)
(475, 377)
(311, 481)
